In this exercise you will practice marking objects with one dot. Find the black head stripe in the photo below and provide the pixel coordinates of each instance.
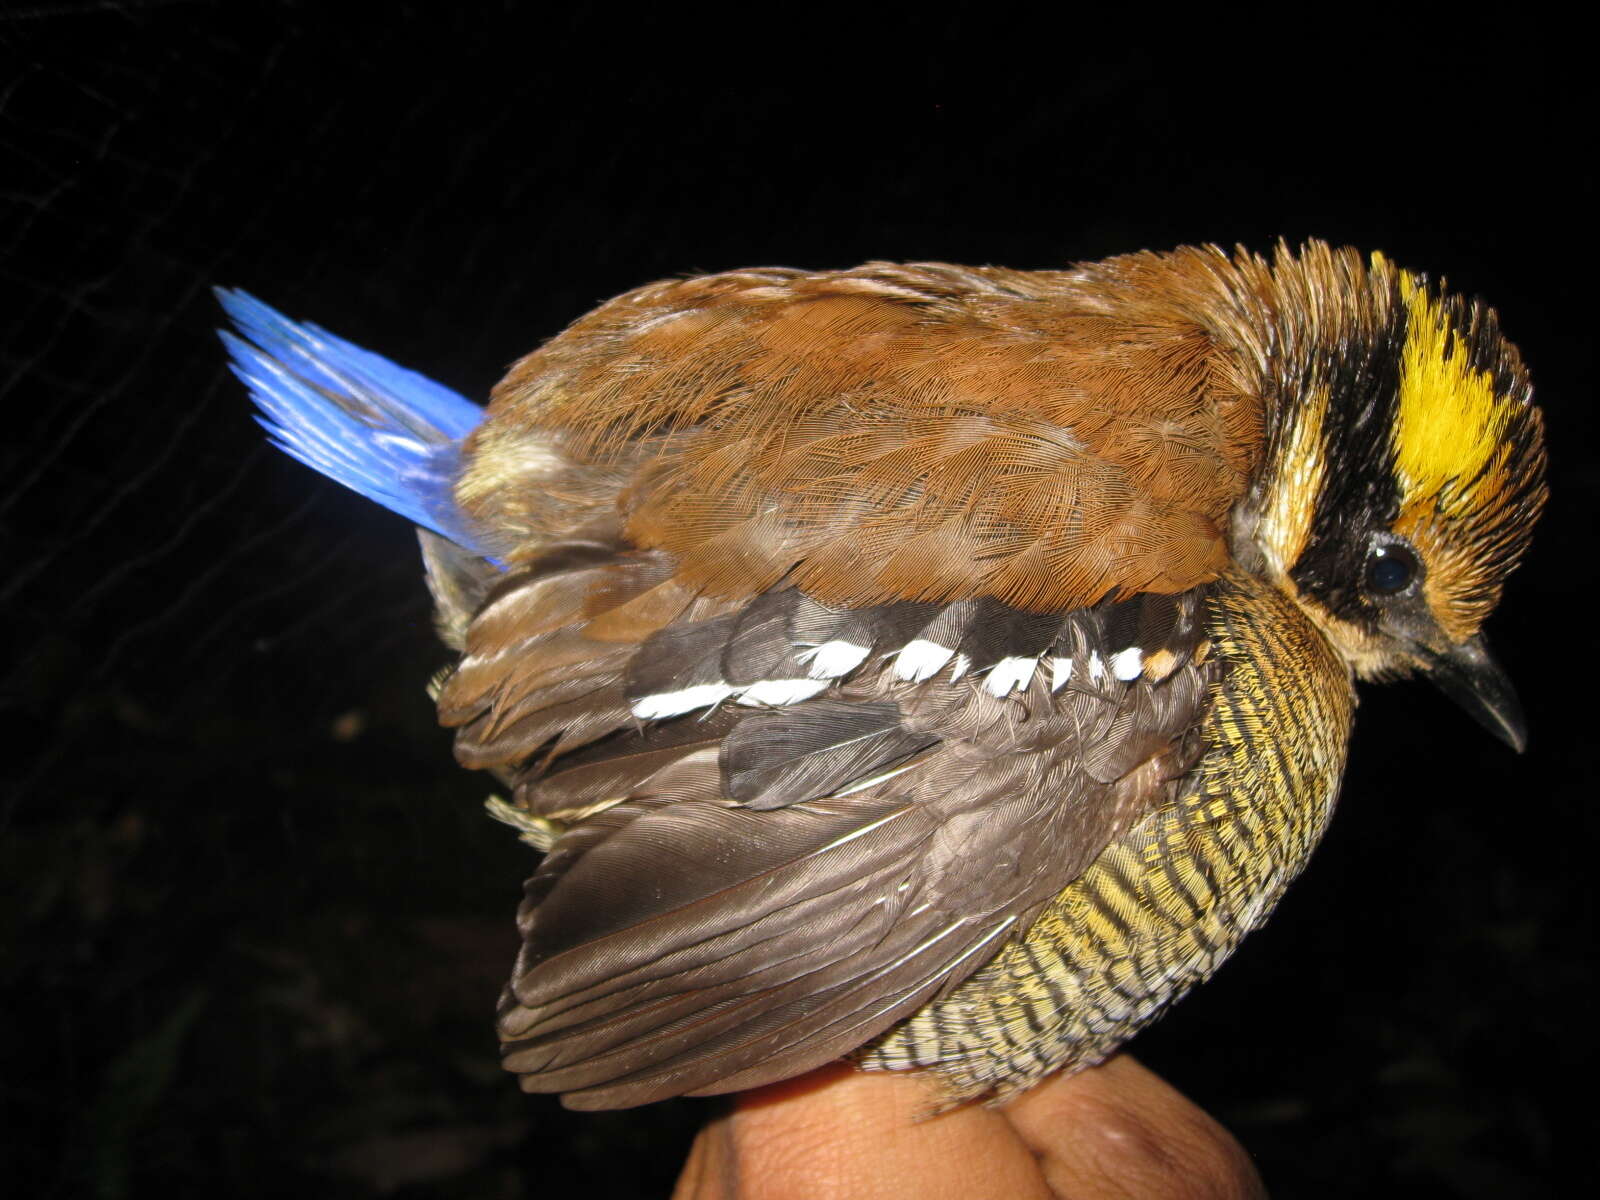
(1477, 328)
(1360, 490)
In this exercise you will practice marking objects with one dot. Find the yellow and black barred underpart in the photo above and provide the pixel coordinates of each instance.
(1167, 901)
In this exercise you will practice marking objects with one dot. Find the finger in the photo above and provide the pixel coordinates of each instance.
(847, 1134)
(1118, 1130)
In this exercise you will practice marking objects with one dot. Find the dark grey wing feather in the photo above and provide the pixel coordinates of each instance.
(994, 631)
(747, 890)
(681, 656)
(775, 758)
(806, 929)
(761, 645)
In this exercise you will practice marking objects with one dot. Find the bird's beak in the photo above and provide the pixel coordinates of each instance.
(1469, 676)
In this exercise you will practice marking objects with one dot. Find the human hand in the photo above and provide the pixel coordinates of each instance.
(1114, 1131)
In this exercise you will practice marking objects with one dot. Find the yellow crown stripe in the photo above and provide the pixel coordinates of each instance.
(1450, 421)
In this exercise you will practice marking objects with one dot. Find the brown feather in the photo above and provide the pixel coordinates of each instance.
(817, 424)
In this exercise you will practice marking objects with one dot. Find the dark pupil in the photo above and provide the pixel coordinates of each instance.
(1390, 571)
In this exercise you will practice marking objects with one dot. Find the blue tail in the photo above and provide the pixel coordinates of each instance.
(389, 433)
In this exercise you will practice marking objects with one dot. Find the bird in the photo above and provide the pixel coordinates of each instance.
(940, 668)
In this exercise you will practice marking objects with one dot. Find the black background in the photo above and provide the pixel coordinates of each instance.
(256, 921)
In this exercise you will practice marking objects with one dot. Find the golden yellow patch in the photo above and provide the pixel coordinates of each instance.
(1450, 421)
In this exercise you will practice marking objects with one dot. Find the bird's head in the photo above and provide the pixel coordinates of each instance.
(1405, 471)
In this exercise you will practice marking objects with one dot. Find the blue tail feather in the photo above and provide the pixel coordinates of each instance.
(391, 434)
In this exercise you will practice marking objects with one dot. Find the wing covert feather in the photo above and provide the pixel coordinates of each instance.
(737, 889)
(693, 942)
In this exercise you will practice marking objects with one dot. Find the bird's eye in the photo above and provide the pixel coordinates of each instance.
(1390, 569)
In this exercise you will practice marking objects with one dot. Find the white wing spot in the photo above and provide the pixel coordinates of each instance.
(832, 659)
(1009, 673)
(1060, 672)
(921, 659)
(1097, 667)
(1126, 664)
(672, 704)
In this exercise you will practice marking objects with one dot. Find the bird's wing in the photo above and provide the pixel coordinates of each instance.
(783, 826)
(893, 432)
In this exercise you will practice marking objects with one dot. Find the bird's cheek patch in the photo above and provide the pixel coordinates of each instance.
(1460, 594)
